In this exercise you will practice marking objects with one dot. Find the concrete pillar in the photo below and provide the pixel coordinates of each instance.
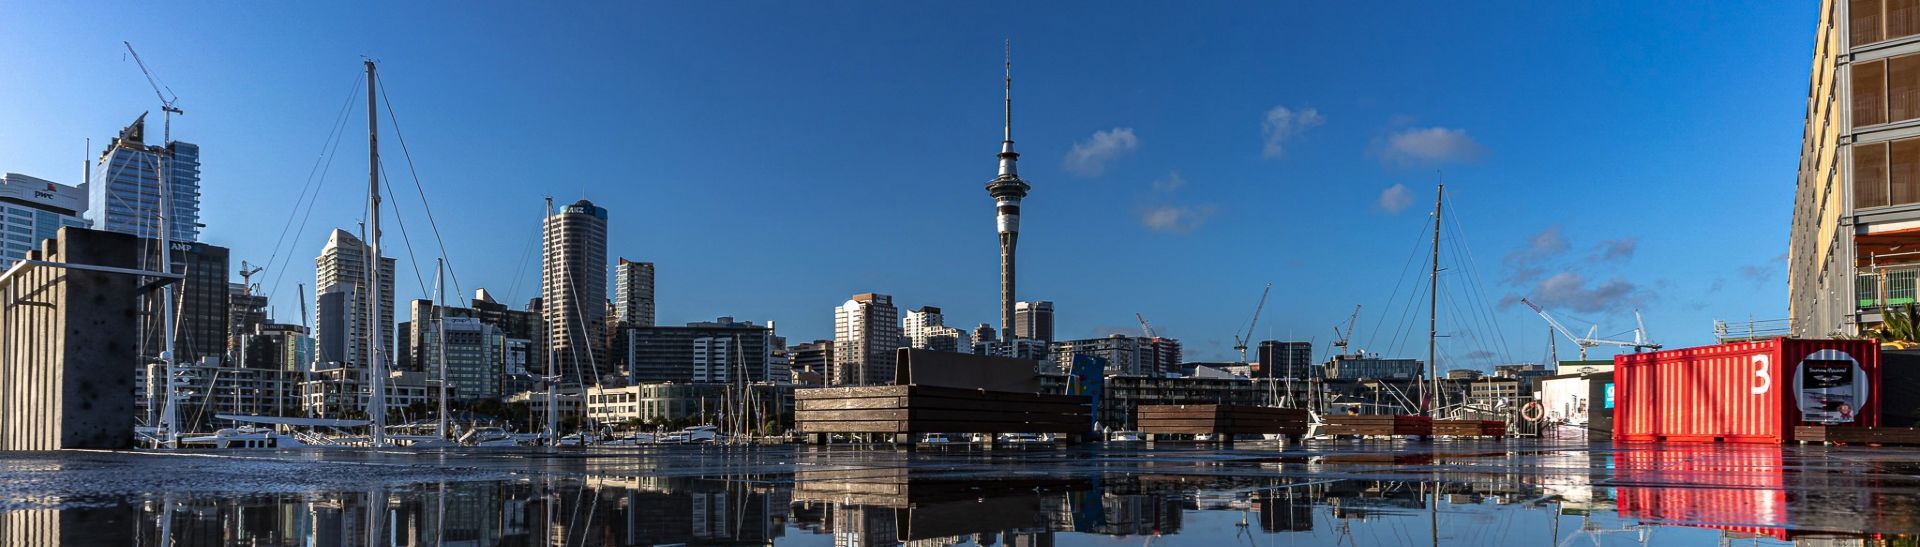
(69, 345)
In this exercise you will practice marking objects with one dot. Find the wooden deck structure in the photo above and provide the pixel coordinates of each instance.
(904, 411)
(1378, 426)
(1887, 436)
(1223, 420)
(1469, 428)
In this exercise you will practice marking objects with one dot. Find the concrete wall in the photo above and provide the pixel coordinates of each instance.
(68, 346)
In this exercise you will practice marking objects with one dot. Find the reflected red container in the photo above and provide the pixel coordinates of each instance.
(1746, 392)
(1734, 488)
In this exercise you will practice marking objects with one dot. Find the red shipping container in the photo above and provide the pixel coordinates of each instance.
(1746, 392)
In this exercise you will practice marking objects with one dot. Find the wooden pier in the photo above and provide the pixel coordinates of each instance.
(904, 411)
(1223, 420)
(1379, 426)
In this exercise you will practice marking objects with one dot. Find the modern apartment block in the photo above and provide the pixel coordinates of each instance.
(1284, 360)
(33, 210)
(125, 190)
(342, 321)
(926, 328)
(866, 334)
(633, 293)
(722, 350)
(574, 288)
(1125, 355)
(1854, 249)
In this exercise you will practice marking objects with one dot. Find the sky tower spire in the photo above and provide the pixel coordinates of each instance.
(1007, 190)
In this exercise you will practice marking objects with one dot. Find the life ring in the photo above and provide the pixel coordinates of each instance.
(1533, 412)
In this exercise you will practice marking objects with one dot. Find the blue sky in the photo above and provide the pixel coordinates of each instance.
(775, 158)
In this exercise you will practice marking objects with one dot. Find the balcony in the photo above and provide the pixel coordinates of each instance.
(1885, 286)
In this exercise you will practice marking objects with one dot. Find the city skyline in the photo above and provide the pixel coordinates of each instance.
(1227, 188)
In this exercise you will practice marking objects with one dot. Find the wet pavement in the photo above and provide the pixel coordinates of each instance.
(1347, 493)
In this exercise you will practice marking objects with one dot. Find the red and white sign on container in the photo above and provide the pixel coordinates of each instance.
(1746, 392)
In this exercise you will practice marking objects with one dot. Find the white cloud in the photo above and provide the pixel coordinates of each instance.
(1170, 183)
(1282, 124)
(1431, 145)
(1616, 249)
(1569, 291)
(1395, 198)
(1175, 219)
(1090, 157)
(1530, 262)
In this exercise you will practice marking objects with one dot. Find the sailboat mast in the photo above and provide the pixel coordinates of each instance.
(171, 417)
(377, 402)
(546, 316)
(440, 324)
(1433, 308)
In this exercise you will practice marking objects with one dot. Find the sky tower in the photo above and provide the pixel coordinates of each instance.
(1007, 189)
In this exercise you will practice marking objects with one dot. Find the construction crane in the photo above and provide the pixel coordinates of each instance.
(1146, 327)
(246, 277)
(167, 98)
(1240, 342)
(1639, 333)
(1340, 339)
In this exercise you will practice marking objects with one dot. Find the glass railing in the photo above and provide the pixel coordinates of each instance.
(1886, 286)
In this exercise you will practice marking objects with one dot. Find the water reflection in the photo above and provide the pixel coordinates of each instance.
(1600, 496)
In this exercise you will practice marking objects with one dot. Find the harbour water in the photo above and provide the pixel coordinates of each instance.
(1446, 493)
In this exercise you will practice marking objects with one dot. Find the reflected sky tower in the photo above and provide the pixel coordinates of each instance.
(1007, 189)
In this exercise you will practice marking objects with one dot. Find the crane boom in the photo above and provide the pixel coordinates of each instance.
(1240, 342)
(1145, 327)
(166, 101)
(1639, 333)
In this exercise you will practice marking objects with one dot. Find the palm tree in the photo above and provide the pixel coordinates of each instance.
(1897, 328)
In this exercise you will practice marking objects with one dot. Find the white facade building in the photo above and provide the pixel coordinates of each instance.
(33, 210)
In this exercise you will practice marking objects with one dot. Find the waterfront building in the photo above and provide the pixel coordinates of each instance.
(1849, 255)
(1279, 359)
(633, 289)
(33, 210)
(213, 386)
(705, 351)
(474, 372)
(680, 403)
(866, 333)
(1356, 367)
(346, 393)
(343, 321)
(276, 346)
(125, 190)
(926, 328)
(1033, 320)
(574, 287)
(1125, 355)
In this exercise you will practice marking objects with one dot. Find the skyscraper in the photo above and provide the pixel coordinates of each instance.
(926, 328)
(125, 193)
(1007, 189)
(574, 288)
(340, 297)
(1033, 320)
(633, 293)
(33, 210)
(866, 333)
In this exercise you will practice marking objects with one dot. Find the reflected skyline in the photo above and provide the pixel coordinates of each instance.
(1672, 495)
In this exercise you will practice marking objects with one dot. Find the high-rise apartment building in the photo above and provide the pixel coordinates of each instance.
(866, 335)
(246, 312)
(1125, 355)
(633, 293)
(340, 297)
(33, 210)
(125, 191)
(1284, 360)
(1857, 195)
(574, 288)
(1033, 320)
(926, 328)
(811, 361)
(722, 350)
(474, 371)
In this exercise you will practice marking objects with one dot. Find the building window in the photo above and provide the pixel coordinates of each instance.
(1869, 93)
(1904, 171)
(1864, 21)
(1903, 88)
(1869, 175)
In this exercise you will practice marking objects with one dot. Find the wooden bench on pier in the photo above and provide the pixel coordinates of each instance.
(1469, 428)
(905, 411)
(1378, 426)
(1886, 436)
(1223, 420)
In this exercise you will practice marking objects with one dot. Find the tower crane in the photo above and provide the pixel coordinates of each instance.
(1639, 342)
(167, 98)
(1240, 342)
(1146, 327)
(1340, 339)
(246, 277)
